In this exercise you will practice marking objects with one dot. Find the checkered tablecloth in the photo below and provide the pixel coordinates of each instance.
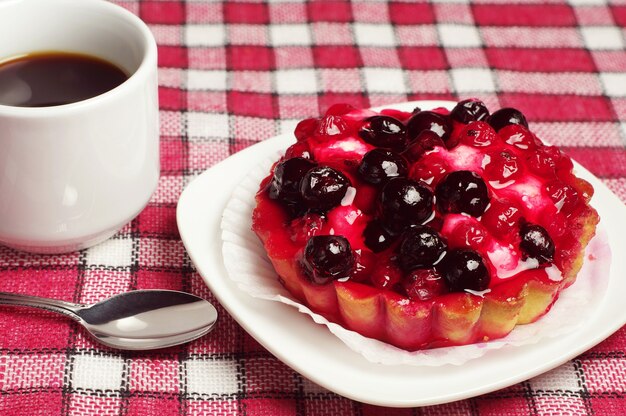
(235, 73)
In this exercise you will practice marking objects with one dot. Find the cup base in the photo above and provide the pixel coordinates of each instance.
(63, 246)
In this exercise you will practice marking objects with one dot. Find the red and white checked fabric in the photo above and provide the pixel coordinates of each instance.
(235, 73)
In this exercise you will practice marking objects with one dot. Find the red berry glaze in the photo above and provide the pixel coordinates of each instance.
(426, 141)
(306, 128)
(423, 284)
(519, 137)
(386, 275)
(477, 134)
(502, 167)
(427, 228)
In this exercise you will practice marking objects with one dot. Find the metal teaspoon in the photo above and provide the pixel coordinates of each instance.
(136, 320)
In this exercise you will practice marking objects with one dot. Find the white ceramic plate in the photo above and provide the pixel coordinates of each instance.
(314, 352)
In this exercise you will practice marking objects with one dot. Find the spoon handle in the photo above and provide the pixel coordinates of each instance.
(53, 305)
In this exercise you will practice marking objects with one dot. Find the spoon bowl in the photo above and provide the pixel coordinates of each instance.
(136, 320)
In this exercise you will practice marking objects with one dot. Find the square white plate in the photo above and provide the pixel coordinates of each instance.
(314, 352)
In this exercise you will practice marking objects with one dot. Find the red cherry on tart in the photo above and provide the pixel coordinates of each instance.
(424, 229)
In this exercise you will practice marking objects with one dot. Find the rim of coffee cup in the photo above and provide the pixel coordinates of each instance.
(148, 62)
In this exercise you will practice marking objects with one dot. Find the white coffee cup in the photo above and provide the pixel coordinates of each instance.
(72, 175)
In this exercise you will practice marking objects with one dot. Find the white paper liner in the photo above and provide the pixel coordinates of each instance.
(247, 264)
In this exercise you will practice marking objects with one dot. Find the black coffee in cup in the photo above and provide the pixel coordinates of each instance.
(48, 79)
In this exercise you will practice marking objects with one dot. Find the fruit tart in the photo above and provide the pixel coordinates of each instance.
(424, 229)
